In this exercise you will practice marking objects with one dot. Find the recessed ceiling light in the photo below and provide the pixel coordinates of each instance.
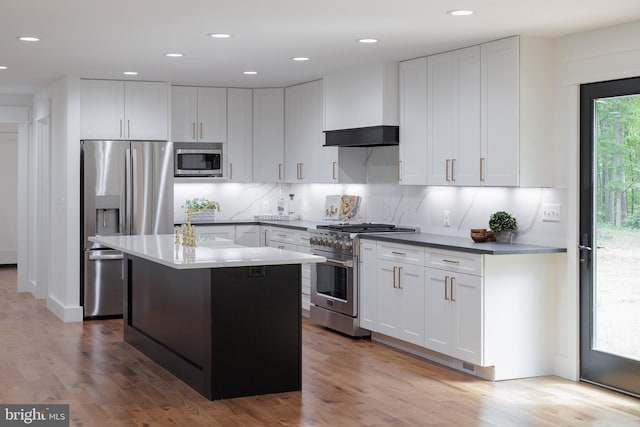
(130, 73)
(219, 35)
(2, 67)
(368, 40)
(250, 73)
(300, 58)
(173, 55)
(29, 38)
(460, 12)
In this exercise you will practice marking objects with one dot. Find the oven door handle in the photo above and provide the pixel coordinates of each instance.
(334, 263)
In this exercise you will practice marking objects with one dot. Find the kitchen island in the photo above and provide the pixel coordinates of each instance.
(225, 319)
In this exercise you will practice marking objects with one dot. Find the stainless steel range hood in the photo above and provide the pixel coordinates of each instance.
(372, 136)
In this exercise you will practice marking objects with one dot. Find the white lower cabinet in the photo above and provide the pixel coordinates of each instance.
(453, 314)
(297, 241)
(489, 314)
(401, 301)
(367, 278)
(245, 235)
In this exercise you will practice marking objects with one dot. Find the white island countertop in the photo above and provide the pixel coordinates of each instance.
(218, 253)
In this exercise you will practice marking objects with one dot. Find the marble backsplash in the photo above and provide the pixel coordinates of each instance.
(422, 206)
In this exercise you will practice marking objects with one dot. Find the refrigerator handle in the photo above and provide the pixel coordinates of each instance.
(133, 187)
(127, 192)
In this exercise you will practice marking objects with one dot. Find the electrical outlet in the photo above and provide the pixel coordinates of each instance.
(447, 218)
(551, 212)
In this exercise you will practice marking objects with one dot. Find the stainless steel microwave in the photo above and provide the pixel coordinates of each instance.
(193, 159)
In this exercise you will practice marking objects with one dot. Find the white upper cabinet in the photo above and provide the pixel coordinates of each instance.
(268, 135)
(124, 110)
(303, 131)
(361, 97)
(453, 117)
(198, 114)
(517, 120)
(413, 121)
(239, 150)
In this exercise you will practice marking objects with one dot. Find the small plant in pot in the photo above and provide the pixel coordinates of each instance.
(503, 224)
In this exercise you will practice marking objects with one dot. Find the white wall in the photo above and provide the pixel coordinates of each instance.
(58, 196)
(605, 54)
(9, 193)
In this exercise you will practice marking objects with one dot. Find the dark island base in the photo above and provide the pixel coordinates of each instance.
(226, 332)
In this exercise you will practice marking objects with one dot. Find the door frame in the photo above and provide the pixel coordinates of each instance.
(595, 366)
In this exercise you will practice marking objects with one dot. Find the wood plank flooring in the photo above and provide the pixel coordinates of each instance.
(345, 382)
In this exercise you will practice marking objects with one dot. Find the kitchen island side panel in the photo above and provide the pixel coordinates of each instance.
(257, 346)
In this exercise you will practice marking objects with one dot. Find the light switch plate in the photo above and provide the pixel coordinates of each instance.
(551, 212)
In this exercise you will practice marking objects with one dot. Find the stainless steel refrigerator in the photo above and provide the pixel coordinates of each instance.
(126, 188)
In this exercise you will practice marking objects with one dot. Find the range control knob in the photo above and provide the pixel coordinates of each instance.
(349, 245)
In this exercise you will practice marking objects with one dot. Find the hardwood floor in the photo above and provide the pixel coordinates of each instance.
(345, 383)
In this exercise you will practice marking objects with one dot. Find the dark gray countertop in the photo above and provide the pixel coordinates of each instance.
(452, 243)
(462, 244)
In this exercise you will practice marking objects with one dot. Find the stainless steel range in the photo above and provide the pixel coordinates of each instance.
(335, 284)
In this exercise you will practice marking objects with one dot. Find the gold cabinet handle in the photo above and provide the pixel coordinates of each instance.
(193, 131)
(399, 253)
(334, 170)
(128, 128)
(279, 171)
(399, 275)
(453, 174)
(394, 277)
(446, 169)
(120, 128)
(451, 285)
(449, 261)
(481, 169)
(230, 170)
(200, 130)
(446, 287)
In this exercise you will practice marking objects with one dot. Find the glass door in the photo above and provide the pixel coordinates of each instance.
(610, 234)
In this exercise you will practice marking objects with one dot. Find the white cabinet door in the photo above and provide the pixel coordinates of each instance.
(453, 117)
(102, 109)
(303, 131)
(205, 233)
(400, 301)
(500, 136)
(437, 310)
(388, 299)
(467, 322)
(239, 150)
(413, 122)
(367, 275)
(146, 110)
(268, 135)
(453, 314)
(467, 146)
(411, 308)
(184, 113)
(212, 114)
(247, 235)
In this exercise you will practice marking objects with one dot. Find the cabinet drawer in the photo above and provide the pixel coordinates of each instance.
(303, 239)
(455, 261)
(283, 235)
(406, 254)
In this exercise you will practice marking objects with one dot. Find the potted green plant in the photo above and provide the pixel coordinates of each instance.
(503, 224)
(202, 208)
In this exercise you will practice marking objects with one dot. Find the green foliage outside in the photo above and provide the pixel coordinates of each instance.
(618, 161)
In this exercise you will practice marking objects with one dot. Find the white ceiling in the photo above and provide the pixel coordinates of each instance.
(101, 39)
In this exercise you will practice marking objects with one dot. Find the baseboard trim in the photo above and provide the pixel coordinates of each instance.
(66, 314)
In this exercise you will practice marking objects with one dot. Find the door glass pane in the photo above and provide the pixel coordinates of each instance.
(616, 246)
